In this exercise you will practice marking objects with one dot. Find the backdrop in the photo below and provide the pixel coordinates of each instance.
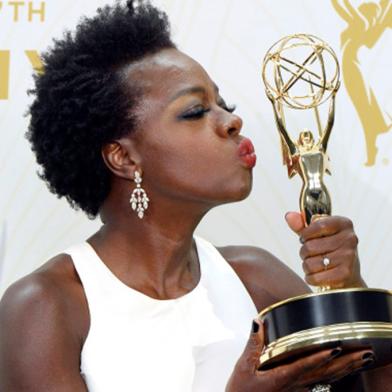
(229, 38)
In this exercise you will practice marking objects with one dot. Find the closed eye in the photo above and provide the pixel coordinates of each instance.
(199, 111)
(195, 113)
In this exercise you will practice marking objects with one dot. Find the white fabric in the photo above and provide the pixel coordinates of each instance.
(137, 343)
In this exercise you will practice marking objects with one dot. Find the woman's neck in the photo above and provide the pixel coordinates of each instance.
(155, 255)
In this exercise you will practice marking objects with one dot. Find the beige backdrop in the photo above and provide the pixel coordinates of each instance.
(229, 37)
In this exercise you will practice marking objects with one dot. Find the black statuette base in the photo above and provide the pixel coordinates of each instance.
(350, 318)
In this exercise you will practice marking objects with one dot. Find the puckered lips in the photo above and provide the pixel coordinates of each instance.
(246, 152)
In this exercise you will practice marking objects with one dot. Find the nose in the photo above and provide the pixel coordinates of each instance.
(232, 125)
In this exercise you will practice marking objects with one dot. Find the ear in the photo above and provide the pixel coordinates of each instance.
(121, 158)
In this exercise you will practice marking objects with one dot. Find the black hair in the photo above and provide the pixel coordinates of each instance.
(81, 101)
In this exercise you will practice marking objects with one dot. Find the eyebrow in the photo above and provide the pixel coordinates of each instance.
(192, 90)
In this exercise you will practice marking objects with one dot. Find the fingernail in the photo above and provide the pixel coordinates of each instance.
(367, 362)
(255, 327)
(301, 240)
(335, 352)
(368, 356)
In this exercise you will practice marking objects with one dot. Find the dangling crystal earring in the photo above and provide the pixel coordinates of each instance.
(139, 200)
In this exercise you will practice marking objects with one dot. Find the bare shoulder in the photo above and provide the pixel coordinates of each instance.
(43, 321)
(267, 279)
(53, 289)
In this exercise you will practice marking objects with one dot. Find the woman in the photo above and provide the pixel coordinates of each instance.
(143, 305)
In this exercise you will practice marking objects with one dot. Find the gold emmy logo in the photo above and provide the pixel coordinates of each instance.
(365, 25)
(19, 11)
(5, 60)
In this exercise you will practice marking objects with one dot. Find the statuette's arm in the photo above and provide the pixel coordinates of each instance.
(281, 127)
(328, 128)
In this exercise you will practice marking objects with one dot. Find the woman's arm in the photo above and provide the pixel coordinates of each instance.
(39, 346)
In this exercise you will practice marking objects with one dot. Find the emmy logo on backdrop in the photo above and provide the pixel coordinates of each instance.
(17, 10)
(366, 24)
(5, 69)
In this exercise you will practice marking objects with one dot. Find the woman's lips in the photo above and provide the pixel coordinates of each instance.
(246, 152)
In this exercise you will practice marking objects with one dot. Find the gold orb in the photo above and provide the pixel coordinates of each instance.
(301, 71)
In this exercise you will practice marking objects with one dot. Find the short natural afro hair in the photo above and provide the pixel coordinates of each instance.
(81, 101)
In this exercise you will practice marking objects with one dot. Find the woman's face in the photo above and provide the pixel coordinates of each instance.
(188, 142)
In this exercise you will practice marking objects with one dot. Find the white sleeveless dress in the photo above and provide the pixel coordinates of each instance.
(140, 344)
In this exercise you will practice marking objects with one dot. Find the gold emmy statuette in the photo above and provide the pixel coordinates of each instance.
(301, 72)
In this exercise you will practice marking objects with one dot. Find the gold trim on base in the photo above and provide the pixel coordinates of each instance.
(326, 334)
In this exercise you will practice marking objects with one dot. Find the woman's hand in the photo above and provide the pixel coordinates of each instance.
(329, 251)
(326, 366)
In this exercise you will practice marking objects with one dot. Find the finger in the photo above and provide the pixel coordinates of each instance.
(345, 239)
(341, 269)
(325, 227)
(322, 279)
(295, 221)
(347, 370)
(314, 265)
(289, 374)
(329, 278)
(324, 245)
(250, 358)
(340, 367)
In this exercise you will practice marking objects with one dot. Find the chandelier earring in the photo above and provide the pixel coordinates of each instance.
(139, 199)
